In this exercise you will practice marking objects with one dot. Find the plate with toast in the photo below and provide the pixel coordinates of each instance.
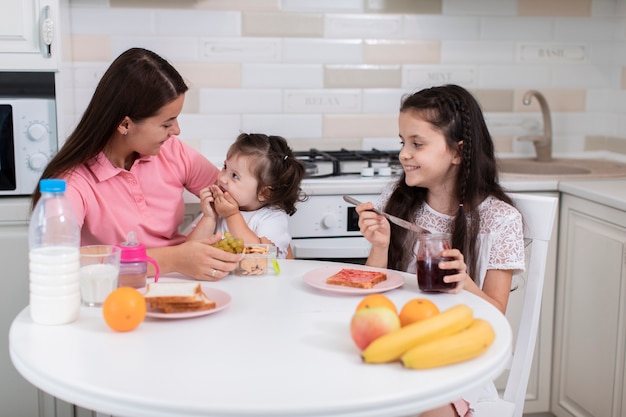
(355, 279)
(178, 300)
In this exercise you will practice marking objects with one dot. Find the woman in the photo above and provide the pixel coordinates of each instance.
(126, 170)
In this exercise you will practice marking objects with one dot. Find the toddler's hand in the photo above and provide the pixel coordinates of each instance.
(225, 205)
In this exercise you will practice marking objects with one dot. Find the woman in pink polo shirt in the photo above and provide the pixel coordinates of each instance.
(126, 170)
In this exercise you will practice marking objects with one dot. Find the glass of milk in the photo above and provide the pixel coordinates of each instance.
(99, 272)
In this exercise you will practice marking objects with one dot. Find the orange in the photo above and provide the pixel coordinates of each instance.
(124, 309)
(377, 300)
(417, 309)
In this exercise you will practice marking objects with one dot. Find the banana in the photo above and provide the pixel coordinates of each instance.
(391, 346)
(466, 344)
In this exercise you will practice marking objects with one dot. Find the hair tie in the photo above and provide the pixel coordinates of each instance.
(461, 205)
(285, 157)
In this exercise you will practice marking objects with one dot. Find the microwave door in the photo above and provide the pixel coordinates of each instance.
(7, 149)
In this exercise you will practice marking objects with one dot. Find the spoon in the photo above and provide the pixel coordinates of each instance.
(393, 219)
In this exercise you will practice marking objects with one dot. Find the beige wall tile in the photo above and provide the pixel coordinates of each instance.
(404, 6)
(494, 100)
(192, 101)
(502, 144)
(91, 48)
(266, 5)
(360, 125)
(283, 24)
(616, 145)
(554, 7)
(206, 75)
(402, 52)
(364, 76)
(565, 100)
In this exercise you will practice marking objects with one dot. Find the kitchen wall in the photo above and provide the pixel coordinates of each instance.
(331, 73)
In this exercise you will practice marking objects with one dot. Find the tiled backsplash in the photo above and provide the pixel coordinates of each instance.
(331, 73)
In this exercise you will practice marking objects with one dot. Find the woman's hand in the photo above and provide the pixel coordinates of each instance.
(197, 259)
(461, 278)
(225, 205)
(374, 227)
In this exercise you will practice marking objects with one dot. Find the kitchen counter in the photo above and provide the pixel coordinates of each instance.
(611, 193)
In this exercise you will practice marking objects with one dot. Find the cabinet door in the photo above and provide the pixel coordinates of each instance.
(29, 35)
(17, 396)
(590, 322)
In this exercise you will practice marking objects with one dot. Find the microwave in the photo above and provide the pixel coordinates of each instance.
(28, 140)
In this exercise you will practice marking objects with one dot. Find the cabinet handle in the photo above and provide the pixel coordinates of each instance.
(47, 31)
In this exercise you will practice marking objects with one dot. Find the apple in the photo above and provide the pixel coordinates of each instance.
(369, 324)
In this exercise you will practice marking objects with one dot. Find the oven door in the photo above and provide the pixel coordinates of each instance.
(8, 181)
(339, 249)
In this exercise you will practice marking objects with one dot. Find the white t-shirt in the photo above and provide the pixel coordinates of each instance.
(268, 222)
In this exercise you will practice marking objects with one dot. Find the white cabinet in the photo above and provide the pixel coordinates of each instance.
(538, 391)
(29, 35)
(590, 326)
(17, 396)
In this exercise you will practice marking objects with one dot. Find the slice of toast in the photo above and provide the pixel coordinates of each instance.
(356, 278)
(177, 297)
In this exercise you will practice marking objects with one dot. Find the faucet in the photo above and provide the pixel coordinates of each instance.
(542, 143)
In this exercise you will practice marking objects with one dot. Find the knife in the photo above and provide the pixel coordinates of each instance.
(393, 219)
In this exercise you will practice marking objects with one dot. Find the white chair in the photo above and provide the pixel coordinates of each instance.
(539, 214)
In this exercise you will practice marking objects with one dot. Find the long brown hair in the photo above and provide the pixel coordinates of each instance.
(279, 174)
(457, 114)
(136, 85)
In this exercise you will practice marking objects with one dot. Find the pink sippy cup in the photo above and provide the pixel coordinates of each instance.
(133, 263)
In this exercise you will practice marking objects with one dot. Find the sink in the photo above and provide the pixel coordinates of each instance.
(561, 167)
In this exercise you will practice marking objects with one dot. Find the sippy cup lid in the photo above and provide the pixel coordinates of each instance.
(132, 250)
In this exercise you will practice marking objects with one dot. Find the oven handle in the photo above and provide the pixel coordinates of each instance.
(330, 248)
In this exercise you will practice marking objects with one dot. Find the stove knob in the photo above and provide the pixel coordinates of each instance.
(367, 172)
(330, 221)
(384, 172)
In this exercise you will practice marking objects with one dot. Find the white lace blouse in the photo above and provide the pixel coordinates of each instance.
(500, 240)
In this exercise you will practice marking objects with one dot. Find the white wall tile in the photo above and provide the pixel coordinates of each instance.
(198, 22)
(388, 144)
(475, 53)
(421, 76)
(322, 101)
(282, 76)
(516, 28)
(240, 50)
(441, 27)
(585, 76)
(516, 76)
(215, 149)
(553, 52)
(480, 7)
(369, 26)
(575, 29)
(107, 21)
(328, 6)
(324, 51)
(286, 125)
(606, 100)
(170, 48)
(206, 126)
(226, 101)
(382, 100)
(87, 74)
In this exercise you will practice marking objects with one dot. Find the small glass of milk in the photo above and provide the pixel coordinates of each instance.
(99, 272)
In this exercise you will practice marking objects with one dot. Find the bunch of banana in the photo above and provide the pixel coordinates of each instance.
(448, 337)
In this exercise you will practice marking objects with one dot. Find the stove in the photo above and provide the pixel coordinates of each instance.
(325, 226)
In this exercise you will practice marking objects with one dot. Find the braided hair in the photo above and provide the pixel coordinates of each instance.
(458, 116)
(278, 172)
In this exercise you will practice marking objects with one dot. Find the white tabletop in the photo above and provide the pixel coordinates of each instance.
(281, 348)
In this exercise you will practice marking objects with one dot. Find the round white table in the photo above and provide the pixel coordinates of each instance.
(280, 348)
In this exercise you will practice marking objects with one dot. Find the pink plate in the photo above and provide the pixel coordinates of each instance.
(317, 279)
(221, 298)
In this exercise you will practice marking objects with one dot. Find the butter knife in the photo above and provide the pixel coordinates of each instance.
(393, 219)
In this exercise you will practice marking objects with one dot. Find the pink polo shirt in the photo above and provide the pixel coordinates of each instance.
(110, 201)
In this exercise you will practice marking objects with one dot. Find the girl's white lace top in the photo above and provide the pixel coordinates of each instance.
(500, 240)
